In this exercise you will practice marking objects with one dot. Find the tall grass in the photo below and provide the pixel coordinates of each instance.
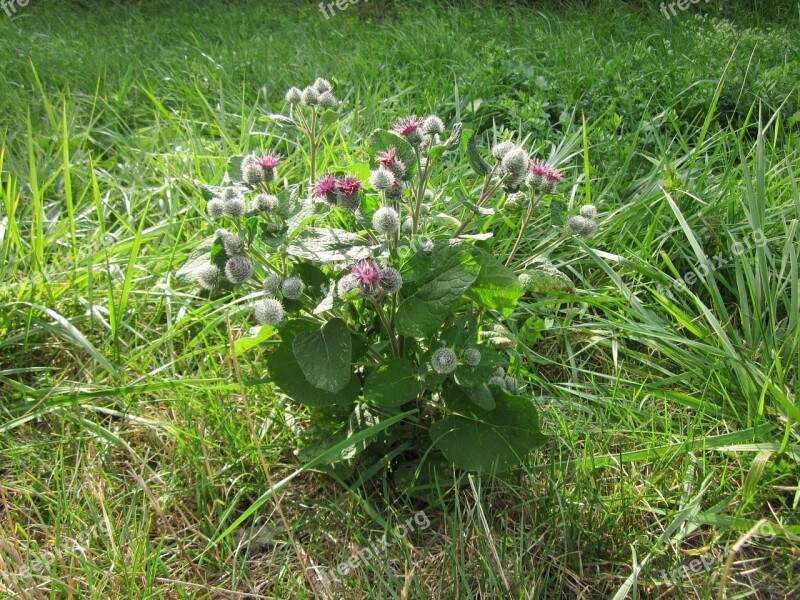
(129, 466)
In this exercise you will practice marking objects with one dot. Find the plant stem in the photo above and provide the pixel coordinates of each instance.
(388, 327)
(313, 138)
(485, 195)
(522, 229)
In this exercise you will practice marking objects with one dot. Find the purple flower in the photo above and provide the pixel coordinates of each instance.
(367, 272)
(326, 188)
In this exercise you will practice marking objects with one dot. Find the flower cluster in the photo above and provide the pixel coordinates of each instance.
(584, 224)
(367, 278)
(317, 94)
(343, 191)
(257, 169)
(354, 238)
(269, 309)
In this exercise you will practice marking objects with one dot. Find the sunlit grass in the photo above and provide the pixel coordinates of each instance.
(125, 451)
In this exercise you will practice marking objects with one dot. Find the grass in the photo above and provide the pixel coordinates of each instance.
(128, 447)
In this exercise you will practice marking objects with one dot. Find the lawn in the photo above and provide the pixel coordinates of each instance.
(145, 450)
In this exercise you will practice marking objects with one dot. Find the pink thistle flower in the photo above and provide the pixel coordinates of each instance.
(270, 161)
(348, 186)
(326, 188)
(386, 157)
(539, 167)
(543, 178)
(367, 276)
(408, 126)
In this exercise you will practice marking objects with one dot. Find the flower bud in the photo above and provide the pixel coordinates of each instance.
(511, 385)
(582, 226)
(346, 284)
(588, 211)
(327, 100)
(272, 283)
(294, 95)
(503, 148)
(238, 269)
(433, 125)
(215, 208)
(252, 174)
(268, 311)
(322, 85)
(391, 280)
(386, 220)
(499, 377)
(472, 357)
(232, 243)
(515, 163)
(208, 277)
(292, 288)
(444, 360)
(235, 206)
(310, 96)
(382, 179)
(513, 203)
(266, 202)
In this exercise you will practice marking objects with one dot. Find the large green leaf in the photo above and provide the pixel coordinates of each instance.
(496, 286)
(198, 259)
(476, 161)
(481, 396)
(496, 440)
(436, 283)
(382, 140)
(287, 375)
(392, 383)
(328, 245)
(324, 356)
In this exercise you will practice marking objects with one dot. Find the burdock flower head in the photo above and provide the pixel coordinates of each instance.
(268, 163)
(382, 179)
(389, 160)
(326, 188)
(292, 288)
(348, 189)
(251, 171)
(268, 311)
(409, 128)
(444, 361)
(543, 178)
(208, 277)
(309, 96)
(503, 148)
(386, 220)
(391, 280)
(582, 226)
(433, 125)
(238, 269)
(368, 275)
(215, 208)
(515, 164)
(294, 95)
(233, 202)
(472, 357)
(266, 202)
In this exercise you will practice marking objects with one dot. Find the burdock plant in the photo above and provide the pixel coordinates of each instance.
(388, 301)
